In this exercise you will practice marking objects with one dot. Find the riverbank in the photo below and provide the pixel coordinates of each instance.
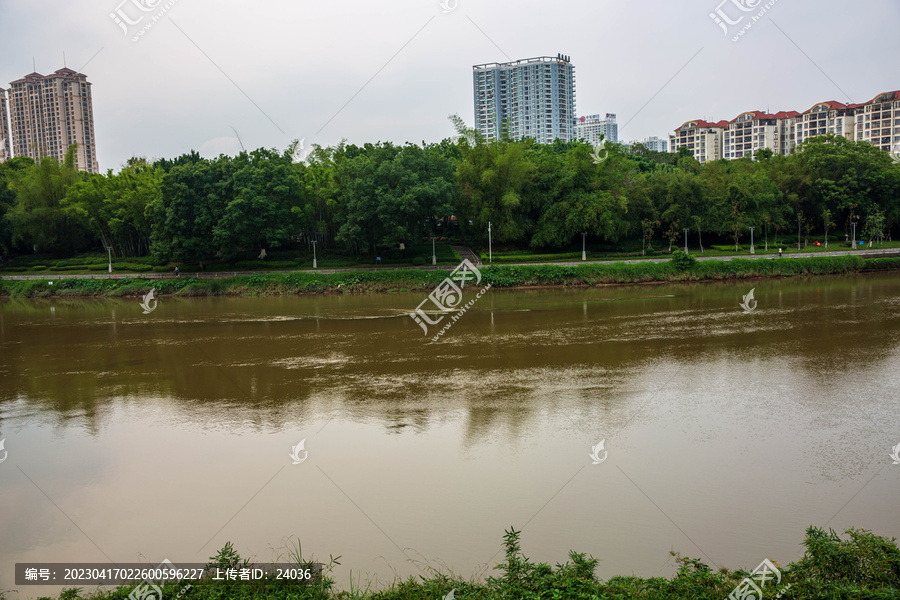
(859, 565)
(588, 274)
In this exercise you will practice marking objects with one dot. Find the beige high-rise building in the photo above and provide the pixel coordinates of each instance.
(702, 138)
(49, 113)
(5, 144)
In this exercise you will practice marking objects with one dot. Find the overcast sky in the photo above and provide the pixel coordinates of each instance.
(277, 70)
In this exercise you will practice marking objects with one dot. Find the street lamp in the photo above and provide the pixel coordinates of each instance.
(752, 249)
(433, 255)
(583, 250)
(109, 251)
(315, 264)
(490, 254)
(853, 245)
(685, 239)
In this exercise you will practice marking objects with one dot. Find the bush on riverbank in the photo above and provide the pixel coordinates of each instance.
(408, 280)
(864, 566)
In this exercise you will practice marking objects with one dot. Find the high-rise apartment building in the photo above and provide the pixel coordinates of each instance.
(531, 98)
(876, 122)
(753, 130)
(49, 113)
(5, 144)
(592, 129)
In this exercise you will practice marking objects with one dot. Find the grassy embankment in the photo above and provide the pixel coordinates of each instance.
(276, 260)
(408, 280)
(860, 566)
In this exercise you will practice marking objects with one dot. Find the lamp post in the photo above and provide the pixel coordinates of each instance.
(583, 249)
(853, 245)
(433, 255)
(109, 251)
(752, 249)
(685, 239)
(490, 254)
(315, 264)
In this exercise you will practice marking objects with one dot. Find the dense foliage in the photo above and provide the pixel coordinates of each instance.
(362, 198)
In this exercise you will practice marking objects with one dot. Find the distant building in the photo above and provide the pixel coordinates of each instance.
(532, 97)
(752, 131)
(592, 129)
(652, 143)
(49, 113)
(876, 122)
(702, 138)
(5, 144)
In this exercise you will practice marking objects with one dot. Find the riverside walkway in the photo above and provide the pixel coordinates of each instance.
(463, 252)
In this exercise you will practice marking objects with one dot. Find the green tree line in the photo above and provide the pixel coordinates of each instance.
(359, 198)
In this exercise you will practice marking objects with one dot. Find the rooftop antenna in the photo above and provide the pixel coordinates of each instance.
(64, 59)
(33, 65)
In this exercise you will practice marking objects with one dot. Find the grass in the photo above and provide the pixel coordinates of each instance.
(413, 279)
(861, 565)
(276, 260)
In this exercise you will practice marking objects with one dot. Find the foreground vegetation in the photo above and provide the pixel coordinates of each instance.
(681, 268)
(859, 566)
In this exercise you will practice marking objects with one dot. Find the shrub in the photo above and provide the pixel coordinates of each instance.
(418, 261)
(864, 559)
(39, 267)
(682, 261)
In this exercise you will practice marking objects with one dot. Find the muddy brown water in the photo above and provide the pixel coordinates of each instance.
(135, 437)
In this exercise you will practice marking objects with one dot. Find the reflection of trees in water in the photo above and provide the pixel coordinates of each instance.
(581, 353)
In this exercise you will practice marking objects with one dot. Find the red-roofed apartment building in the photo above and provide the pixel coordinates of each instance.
(701, 137)
(49, 113)
(876, 122)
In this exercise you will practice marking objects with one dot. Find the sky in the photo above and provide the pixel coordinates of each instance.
(212, 75)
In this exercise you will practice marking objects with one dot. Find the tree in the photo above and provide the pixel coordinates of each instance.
(392, 194)
(697, 220)
(259, 215)
(874, 227)
(647, 227)
(37, 219)
(493, 179)
(827, 223)
(194, 196)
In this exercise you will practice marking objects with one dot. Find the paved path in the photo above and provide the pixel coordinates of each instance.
(463, 252)
(865, 253)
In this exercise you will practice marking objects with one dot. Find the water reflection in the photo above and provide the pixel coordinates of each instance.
(743, 428)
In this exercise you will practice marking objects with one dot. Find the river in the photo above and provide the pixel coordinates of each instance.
(134, 437)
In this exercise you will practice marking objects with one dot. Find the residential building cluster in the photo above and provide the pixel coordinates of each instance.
(42, 115)
(535, 98)
(876, 122)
